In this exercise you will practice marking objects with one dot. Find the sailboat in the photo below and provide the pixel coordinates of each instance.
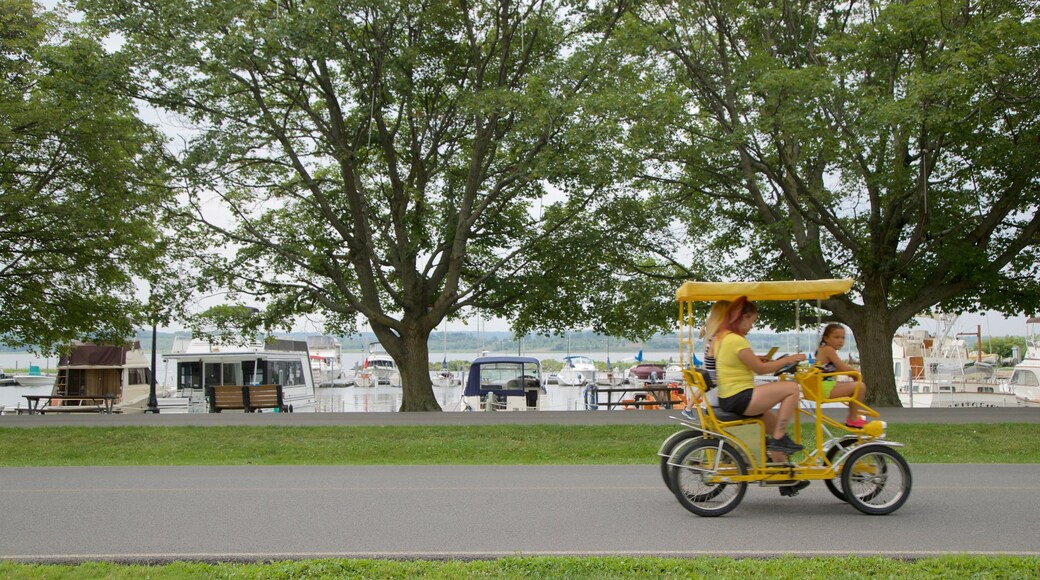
(612, 377)
(444, 377)
(577, 369)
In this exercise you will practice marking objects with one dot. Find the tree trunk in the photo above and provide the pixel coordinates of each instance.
(411, 351)
(874, 339)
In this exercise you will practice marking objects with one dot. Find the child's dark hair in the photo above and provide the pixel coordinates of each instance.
(827, 330)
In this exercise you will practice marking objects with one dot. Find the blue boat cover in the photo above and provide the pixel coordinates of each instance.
(502, 375)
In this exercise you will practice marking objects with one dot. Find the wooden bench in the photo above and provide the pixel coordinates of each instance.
(249, 398)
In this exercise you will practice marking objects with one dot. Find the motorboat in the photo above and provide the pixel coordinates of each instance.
(935, 371)
(1025, 379)
(612, 377)
(121, 371)
(444, 378)
(201, 364)
(326, 354)
(648, 372)
(577, 370)
(379, 369)
(673, 373)
(34, 378)
(503, 383)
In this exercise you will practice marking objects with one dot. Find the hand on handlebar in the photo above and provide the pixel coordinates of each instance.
(790, 363)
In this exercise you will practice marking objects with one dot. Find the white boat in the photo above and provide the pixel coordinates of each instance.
(326, 354)
(122, 371)
(1025, 379)
(673, 373)
(504, 383)
(612, 377)
(935, 371)
(202, 364)
(577, 370)
(444, 378)
(379, 368)
(34, 378)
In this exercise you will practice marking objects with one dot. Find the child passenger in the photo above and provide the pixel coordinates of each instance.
(829, 362)
(711, 328)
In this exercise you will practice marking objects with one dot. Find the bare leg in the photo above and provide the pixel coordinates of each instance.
(767, 395)
(846, 390)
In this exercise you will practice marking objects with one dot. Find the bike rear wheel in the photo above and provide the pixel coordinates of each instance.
(699, 477)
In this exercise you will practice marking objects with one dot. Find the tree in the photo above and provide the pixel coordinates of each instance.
(80, 178)
(381, 158)
(891, 142)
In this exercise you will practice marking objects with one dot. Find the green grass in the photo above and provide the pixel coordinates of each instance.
(519, 567)
(421, 445)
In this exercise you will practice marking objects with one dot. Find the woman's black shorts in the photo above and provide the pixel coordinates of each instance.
(737, 403)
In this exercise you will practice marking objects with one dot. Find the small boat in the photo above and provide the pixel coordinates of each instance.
(648, 372)
(326, 355)
(34, 378)
(201, 364)
(381, 366)
(673, 372)
(1025, 379)
(503, 383)
(577, 370)
(444, 378)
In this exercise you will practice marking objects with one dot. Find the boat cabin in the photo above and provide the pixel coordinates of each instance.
(504, 383)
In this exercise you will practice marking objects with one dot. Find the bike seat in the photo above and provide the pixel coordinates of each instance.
(725, 416)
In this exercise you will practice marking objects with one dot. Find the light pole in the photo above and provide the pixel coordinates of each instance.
(153, 403)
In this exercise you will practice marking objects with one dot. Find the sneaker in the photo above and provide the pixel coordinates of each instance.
(792, 490)
(857, 423)
(783, 444)
(689, 415)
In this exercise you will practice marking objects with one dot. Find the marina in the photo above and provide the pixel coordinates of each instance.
(336, 387)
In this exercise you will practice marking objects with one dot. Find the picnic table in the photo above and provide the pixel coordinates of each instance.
(43, 404)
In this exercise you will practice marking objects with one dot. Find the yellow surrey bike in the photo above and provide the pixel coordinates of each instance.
(709, 464)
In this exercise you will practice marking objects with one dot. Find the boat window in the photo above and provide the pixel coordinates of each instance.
(189, 375)
(230, 376)
(139, 376)
(497, 375)
(1025, 379)
(253, 376)
(286, 372)
(212, 374)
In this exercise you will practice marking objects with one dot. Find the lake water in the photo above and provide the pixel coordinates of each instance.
(354, 399)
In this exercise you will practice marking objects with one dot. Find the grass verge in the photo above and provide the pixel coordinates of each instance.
(472, 445)
(957, 566)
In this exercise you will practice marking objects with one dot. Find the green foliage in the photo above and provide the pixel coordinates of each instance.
(80, 182)
(1004, 346)
(379, 159)
(876, 142)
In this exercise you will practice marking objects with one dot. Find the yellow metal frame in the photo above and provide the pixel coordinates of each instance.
(815, 465)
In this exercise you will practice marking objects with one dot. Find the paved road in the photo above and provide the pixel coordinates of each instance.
(156, 514)
(153, 514)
